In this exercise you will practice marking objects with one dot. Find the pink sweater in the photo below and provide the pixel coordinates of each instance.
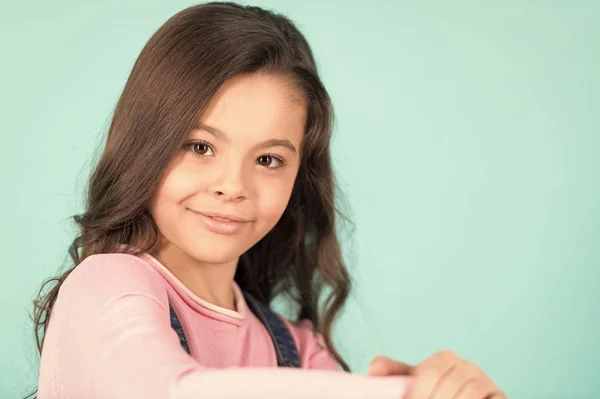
(110, 338)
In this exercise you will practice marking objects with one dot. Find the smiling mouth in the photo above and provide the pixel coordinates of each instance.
(220, 223)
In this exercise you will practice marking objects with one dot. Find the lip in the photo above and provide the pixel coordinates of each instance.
(231, 218)
(220, 223)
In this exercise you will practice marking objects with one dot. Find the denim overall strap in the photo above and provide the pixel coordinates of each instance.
(285, 347)
(176, 325)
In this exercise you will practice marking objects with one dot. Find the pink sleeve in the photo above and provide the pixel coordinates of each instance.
(110, 337)
(311, 347)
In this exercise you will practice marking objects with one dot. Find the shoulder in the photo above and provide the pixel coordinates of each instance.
(311, 346)
(108, 276)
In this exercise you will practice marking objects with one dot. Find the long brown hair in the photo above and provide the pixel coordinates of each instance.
(175, 76)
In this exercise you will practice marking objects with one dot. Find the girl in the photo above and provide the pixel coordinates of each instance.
(213, 195)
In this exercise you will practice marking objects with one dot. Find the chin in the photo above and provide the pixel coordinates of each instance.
(216, 251)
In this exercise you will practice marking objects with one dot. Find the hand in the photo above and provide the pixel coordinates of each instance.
(441, 376)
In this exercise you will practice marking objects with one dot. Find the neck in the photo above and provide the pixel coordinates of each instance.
(210, 282)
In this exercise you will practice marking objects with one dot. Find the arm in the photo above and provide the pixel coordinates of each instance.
(118, 335)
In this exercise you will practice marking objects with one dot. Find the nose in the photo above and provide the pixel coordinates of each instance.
(229, 185)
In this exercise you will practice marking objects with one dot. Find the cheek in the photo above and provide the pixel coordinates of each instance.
(273, 200)
(175, 187)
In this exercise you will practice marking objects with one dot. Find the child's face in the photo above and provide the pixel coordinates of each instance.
(242, 166)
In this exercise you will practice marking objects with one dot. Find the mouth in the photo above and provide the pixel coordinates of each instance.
(220, 223)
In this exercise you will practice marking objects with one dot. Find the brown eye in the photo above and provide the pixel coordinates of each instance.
(269, 161)
(199, 148)
(265, 160)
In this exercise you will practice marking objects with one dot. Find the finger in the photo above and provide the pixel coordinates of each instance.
(453, 380)
(382, 365)
(425, 384)
(497, 395)
(442, 361)
(432, 371)
(477, 388)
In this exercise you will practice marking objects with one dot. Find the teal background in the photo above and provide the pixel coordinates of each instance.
(467, 143)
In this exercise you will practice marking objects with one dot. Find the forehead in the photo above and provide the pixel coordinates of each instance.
(258, 106)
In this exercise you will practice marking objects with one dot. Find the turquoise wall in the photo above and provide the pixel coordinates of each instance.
(467, 142)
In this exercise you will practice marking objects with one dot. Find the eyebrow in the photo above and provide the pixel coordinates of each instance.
(220, 135)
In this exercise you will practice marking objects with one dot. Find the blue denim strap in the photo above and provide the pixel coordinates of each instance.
(285, 347)
(283, 342)
(176, 325)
